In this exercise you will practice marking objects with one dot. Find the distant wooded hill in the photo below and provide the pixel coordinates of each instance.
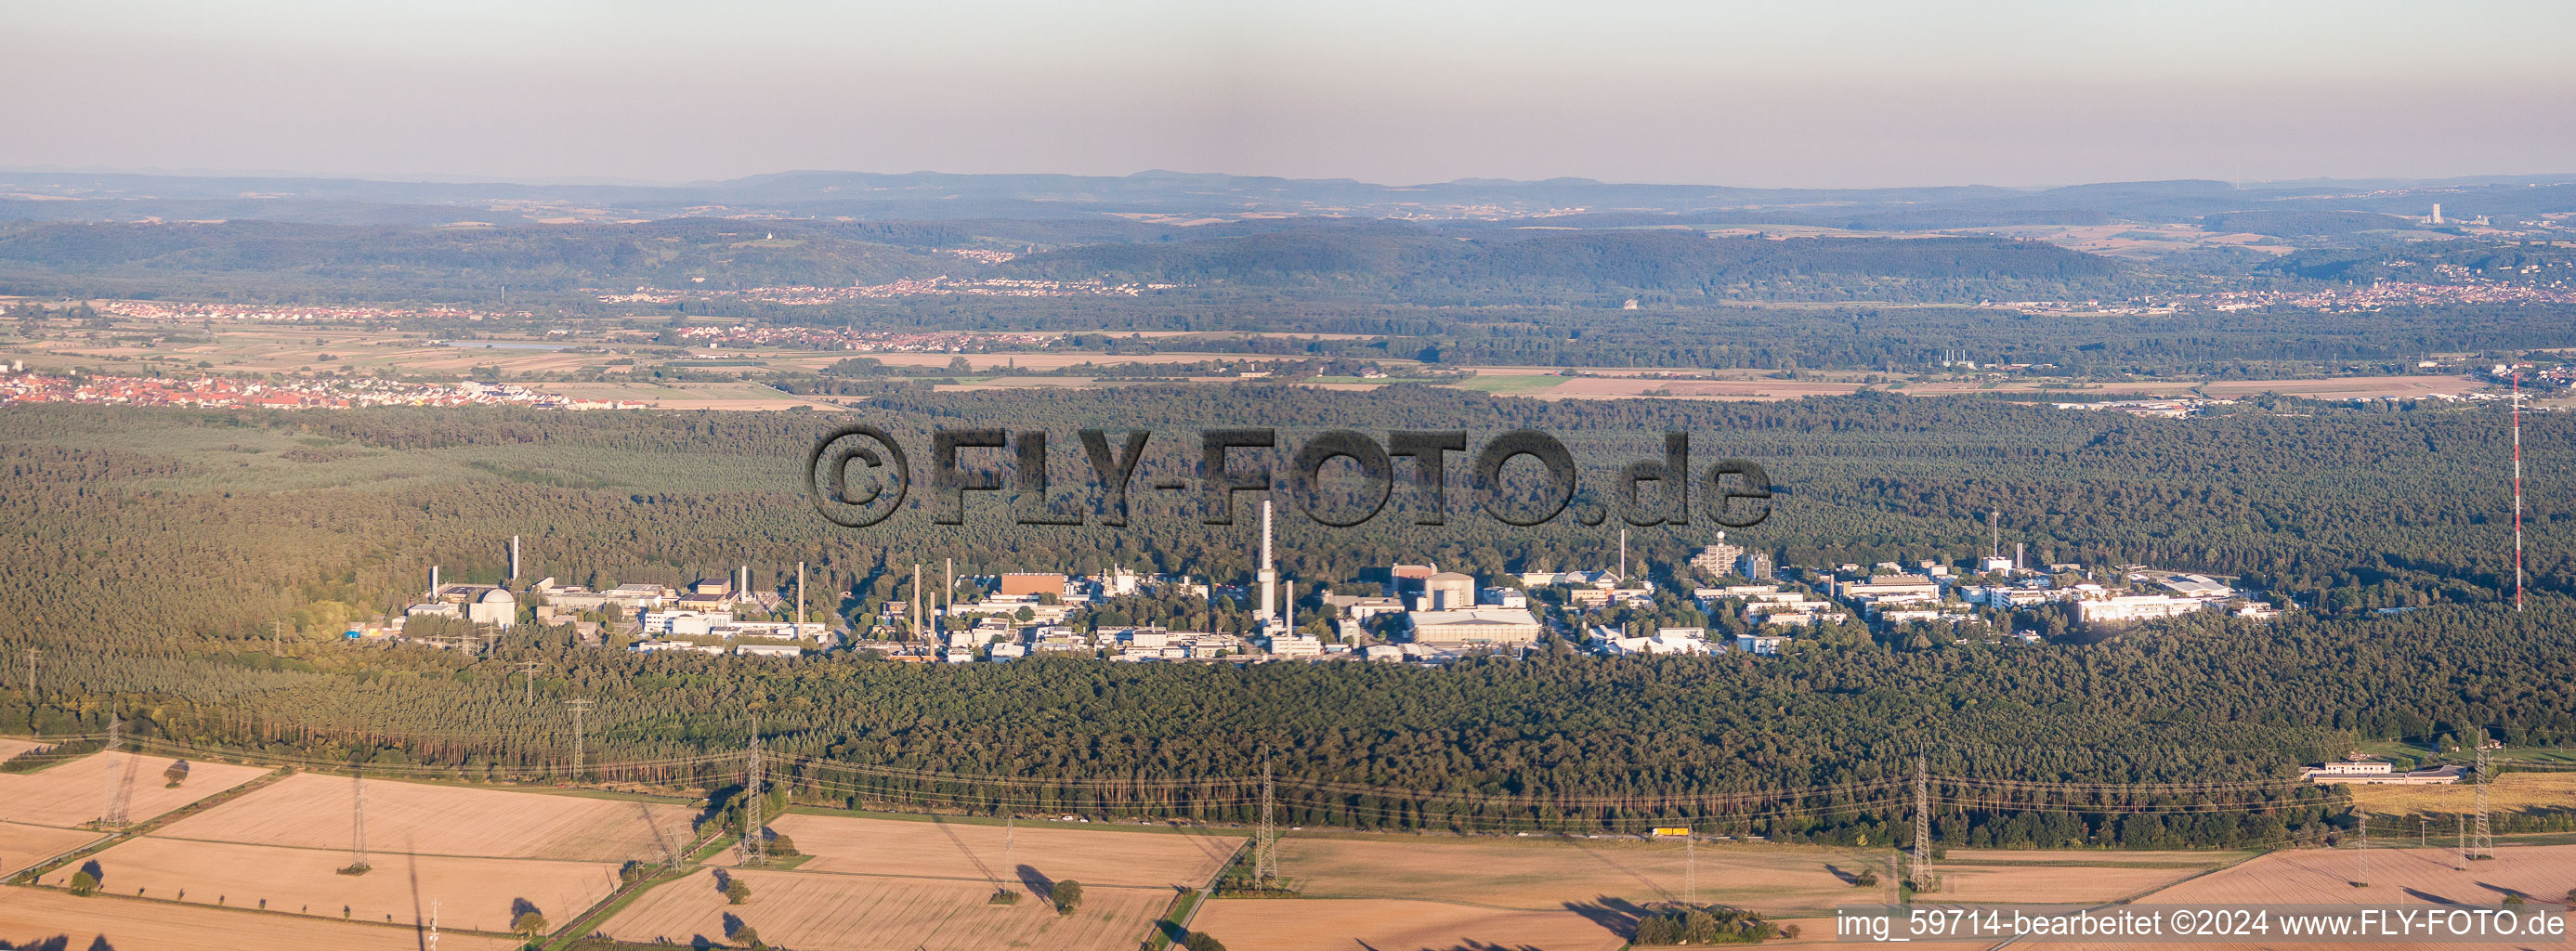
(717, 254)
(1399, 257)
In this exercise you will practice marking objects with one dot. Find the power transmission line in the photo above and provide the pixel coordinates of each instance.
(529, 667)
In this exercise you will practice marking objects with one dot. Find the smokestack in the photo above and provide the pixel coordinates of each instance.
(1268, 577)
(433, 582)
(916, 601)
(1994, 535)
(800, 599)
(514, 557)
(1291, 622)
(742, 580)
(2017, 556)
(1623, 556)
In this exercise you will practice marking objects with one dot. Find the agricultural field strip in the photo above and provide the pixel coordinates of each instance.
(2000, 863)
(450, 820)
(24, 845)
(372, 849)
(479, 893)
(68, 794)
(968, 879)
(48, 910)
(926, 908)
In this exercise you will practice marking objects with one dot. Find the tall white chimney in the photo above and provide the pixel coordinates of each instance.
(514, 557)
(1290, 612)
(1268, 577)
(742, 580)
(800, 599)
(433, 582)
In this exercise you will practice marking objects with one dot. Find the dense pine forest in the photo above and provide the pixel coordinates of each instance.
(193, 568)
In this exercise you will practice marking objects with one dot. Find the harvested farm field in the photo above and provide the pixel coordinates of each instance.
(474, 893)
(1551, 873)
(2510, 792)
(1090, 855)
(2397, 876)
(69, 794)
(2068, 875)
(31, 917)
(2048, 884)
(819, 911)
(1366, 924)
(22, 845)
(444, 820)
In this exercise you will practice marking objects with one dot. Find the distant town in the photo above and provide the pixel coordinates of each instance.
(19, 385)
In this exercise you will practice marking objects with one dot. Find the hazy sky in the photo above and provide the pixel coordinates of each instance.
(1778, 93)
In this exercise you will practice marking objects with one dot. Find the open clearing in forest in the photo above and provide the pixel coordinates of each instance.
(928, 849)
(311, 810)
(821, 911)
(1552, 873)
(68, 794)
(1365, 924)
(31, 916)
(478, 893)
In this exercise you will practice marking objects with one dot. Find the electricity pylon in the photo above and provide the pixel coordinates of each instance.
(1924, 880)
(119, 784)
(2482, 842)
(358, 823)
(579, 707)
(755, 852)
(1265, 856)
